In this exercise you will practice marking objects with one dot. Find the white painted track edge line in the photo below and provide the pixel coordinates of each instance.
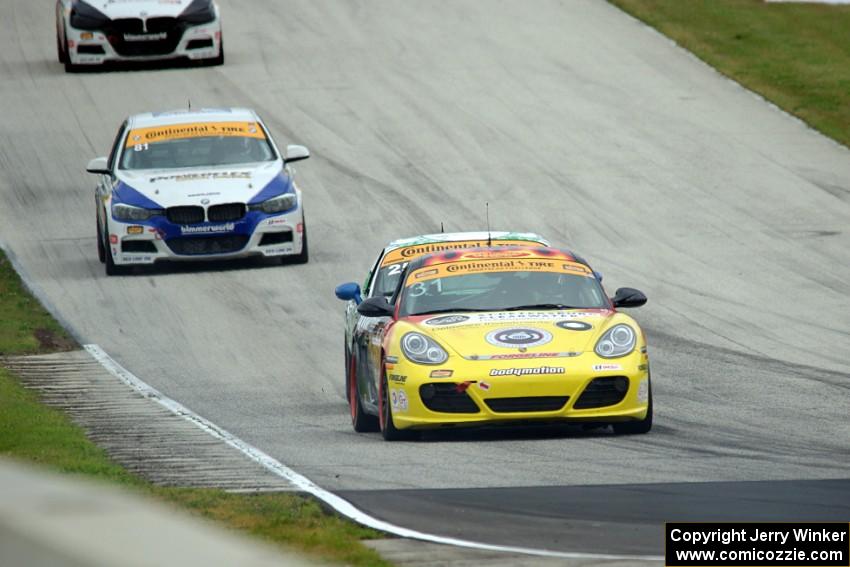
(304, 484)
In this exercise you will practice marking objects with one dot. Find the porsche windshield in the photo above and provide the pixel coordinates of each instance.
(487, 286)
(395, 261)
(196, 145)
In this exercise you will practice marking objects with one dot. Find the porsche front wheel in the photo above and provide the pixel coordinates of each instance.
(360, 420)
(636, 427)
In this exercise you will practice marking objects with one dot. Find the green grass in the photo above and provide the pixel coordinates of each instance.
(35, 433)
(25, 326)
(795, 55)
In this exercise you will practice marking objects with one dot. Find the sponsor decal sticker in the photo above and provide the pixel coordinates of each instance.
(391, 359)
(643, 391)
(145, 36)
(226, 227)
(496, 265)
(210, 175)
(113, 239)
(527, 371)
(606, 367)
(484, 385)
(194, 130)
(398, 399)
(407, 253)
(524, 355)
(447, 320)
(498, 254)
(425, 273)
(517, 337)
(135, 230)
(574, 325)
(397, 378)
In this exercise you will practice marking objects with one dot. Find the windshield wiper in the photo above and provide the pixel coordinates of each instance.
(542, 306)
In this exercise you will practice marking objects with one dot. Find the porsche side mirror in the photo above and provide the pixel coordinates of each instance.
(349, 292)
(375, 307)
(295, 153)
(99, 165)
(628, 297)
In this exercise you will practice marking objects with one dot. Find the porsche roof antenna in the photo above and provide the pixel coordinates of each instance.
(489, 238)
(190, 104)
(442, 228)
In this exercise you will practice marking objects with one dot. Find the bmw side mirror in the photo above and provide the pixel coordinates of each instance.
(597, 275)
(628, 297)
(349, 292)
(99, 165)
(375, 307)
(295, 153)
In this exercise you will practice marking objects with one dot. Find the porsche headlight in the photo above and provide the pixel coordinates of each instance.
(617, 341)
(422, 350)
(128, 212)
(277, 204)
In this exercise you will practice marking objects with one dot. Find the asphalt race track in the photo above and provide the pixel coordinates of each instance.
(571, 120)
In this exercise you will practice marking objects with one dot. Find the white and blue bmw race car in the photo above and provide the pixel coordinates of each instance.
(197, 185)
(94, 32)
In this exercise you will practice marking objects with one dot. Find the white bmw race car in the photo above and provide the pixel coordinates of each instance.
(94, 32)
(197, 185)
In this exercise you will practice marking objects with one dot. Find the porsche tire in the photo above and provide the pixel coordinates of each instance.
(636, 427)
(360, 420)
(388, 428)
(347, 365)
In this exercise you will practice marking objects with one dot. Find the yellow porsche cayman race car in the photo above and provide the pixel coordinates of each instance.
(474, 337)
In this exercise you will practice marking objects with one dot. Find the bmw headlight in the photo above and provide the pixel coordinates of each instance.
(617, 341)
(277, 204)
(422, 350)
(198, 12)
(86, 17)
(124, 212)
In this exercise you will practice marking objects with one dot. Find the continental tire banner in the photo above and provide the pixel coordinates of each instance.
(757, 544)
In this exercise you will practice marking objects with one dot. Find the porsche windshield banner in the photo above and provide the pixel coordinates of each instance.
(483, 266)
(408, 253)
(195, 130)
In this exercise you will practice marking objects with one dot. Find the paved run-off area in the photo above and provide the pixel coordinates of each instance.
(572, 120)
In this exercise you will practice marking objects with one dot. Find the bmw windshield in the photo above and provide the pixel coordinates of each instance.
(501, 285)
(195, 145)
